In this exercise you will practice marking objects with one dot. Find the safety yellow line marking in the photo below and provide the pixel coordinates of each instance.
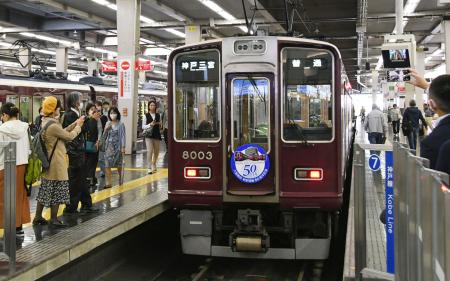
(109, 192)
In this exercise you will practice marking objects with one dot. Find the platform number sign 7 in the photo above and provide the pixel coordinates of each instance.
(374, 162)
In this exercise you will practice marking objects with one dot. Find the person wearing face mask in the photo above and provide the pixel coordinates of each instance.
(114, 145)
(78, 184)
(439, 101)
(104, 120)
(93, 130)
(54, 189)
(14, 130)
(152, 142)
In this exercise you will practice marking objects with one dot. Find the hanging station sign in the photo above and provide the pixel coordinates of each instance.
(139, 65)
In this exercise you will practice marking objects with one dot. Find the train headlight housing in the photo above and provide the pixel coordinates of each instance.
(203, 173)
(308, 174)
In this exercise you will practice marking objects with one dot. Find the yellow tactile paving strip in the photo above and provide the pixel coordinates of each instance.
(115, 190)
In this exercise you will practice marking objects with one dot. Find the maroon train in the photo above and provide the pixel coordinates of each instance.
(259, 140)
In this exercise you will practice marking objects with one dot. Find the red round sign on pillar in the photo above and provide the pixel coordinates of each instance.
(125, 65)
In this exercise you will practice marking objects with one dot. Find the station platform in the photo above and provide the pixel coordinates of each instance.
(141, 197)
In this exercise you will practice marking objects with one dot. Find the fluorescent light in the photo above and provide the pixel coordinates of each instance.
(5, 44)
(156, 52)
(43, 51)
(243, 28)
(103, 51)
(410, 6)
(176, 32)
(217, 9)
(146, 41)
(146, 20)
(112, 7)
(101, 2)
(437, 52)
(46, 38)
(160, 72)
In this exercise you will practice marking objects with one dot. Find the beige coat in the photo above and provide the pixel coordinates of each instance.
(58, 165)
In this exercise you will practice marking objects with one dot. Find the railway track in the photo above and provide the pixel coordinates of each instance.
(220, 269)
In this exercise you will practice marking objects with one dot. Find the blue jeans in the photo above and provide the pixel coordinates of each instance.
(375, 138)
(412, 138)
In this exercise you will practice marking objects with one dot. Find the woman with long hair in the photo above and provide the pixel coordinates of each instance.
(114, 145)
(152, 120)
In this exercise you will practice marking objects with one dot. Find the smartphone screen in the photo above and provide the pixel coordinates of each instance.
(398, 75)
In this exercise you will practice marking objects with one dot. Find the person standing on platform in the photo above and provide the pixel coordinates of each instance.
(106, 108)
(375, 125)
(78, 185)
(395, 118)
(54, 188)
(152, 120)
(101, 153)
(93, 131)
(411, 125)
(439, 101)
(14, 130)
(114, 145)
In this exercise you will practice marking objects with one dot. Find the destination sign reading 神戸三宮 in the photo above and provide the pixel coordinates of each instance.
(200, 65)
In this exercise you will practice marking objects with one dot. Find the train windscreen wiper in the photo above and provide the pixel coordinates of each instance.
(298, 128)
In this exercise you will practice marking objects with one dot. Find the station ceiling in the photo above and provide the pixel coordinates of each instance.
(91, 22)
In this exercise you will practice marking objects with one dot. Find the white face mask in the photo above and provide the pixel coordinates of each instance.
(113, 116)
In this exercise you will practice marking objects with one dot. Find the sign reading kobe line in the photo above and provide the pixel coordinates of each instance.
(250, 163)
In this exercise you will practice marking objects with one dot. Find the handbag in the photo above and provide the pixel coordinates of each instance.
(90, 147)
(148, 133)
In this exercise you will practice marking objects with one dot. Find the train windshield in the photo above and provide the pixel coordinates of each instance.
(197, 96)
(307, 94)
(250, 111)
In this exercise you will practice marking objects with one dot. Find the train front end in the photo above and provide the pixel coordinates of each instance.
(256, 146)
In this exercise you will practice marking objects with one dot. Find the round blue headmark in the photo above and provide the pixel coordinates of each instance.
(250, 163)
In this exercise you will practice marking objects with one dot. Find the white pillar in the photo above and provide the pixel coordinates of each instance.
(25, 58)
(374, 86)
(399, 17)
(92, 66)
(193, 34)
(62, 59)
(420, 67)
(128, 32)
(446, 24)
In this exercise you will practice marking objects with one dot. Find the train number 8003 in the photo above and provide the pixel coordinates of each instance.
(200, 155)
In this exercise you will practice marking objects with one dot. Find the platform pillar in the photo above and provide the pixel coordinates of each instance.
(92, 67)
(193, 34)
(446, 25)
(62, 59)
(374, 86)
(128, 33)
(420, 67)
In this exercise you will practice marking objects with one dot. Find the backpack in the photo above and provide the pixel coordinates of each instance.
(39, 150)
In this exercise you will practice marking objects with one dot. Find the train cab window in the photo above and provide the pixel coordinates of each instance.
(197, 96)
(250, 111)
(307, 95)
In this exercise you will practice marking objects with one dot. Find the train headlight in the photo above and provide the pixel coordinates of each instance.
(197, 173)
(308, 174)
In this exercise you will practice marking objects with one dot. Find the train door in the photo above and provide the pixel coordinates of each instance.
(250, 141)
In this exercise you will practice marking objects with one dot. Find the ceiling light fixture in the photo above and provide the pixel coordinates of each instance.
(46, 38)
(146, 19)
(101, 2)
(103, 51)
(221, 12)
(175, 32)
(160, 72)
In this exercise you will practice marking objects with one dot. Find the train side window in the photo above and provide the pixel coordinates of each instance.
(197, 96)
(308, 87)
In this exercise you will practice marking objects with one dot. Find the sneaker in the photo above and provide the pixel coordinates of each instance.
(20, 232)
(149, 171)
(154, 168)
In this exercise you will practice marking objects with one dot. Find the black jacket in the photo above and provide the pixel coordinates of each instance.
(91, 129)
(413, 115)
(156, 133)
(429, 147)
(75, 147)
(443, 160)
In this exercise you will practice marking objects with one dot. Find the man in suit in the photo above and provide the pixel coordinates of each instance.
(439, 102)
